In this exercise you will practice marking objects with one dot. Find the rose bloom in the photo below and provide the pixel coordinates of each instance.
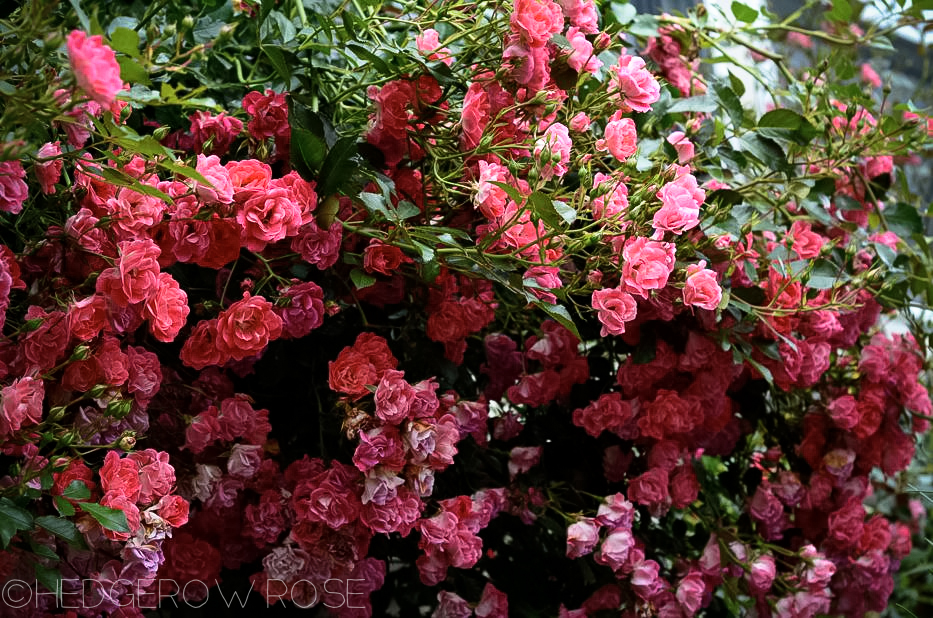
(268, 114)
(582, 57)
(48, 172)
(351, 373)
(615, 307)
(220, 190)
(679, 212)
(247, 327)
(637, 87)
(95, 66)
(156, 475)
(21, 404)
(683, 146)
(552, 151)
(268, 217)
(220, 130)
(650, 488)
(701, 289)
(620, 139)
(382, 258)
(174, 510)
(166, 309)
(535, 21)
(647, 264)
(582, 537)
(13, 189)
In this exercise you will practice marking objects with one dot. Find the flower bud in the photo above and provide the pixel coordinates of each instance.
(128, 440)
(119, 408)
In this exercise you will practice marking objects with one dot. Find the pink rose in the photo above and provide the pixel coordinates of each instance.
(582, 58)
(620, 139)
(267, 217)
(679, 212)
(137, 270)
(244, 460)
(394, 397)
(49, 166)
(582, 14)
(268, 114)
(552, 151)
(166, 309)
(615, 550)
(761, 574)
(522, 459)
(582, 537)
(614, 308)
(544, 278)
(174, 510)
(647, 264)
(701, 289)
(220, 190)
(580, 122)
(13, 189)
(21, 404)
(535, 21)
(844, 412)
(156, 475)
(690, 592)
(95, 66)
(248, 177)
(633, 84)
(305, 309)
(683, 146)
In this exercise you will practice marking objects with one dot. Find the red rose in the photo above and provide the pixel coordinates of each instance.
(120, 476)
(650, 488)
(382, 258)
(351, 373)
(247, 327)
(174, 510)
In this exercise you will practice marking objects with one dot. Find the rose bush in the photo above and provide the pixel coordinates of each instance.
(491, 309)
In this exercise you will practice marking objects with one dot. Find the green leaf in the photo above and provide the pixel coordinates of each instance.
(764, 371)
(841, 11)
(702, 103)
(286, 27)
(787, 124)
(307, 152)
(543, 207)
(111, 519)
(743, 12)
(374, 203)
(824, 275)
(338, 166)
(62, 528)
(64, 507)
(406, 210)
(77, 490)
(7, 531)
(767, 151)
(511, 191)
(50, 577)
(903, 219)
(125, 41)
(123, 179)
(20, 518)
(560, 314)
(730, 102)
(132, 72)
(360, 279)
(364, 54)
(737, 84)
(624, 13)
(565, 210)
(277, 58)
(82, 16)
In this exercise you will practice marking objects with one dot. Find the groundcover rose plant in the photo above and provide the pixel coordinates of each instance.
(463, 308)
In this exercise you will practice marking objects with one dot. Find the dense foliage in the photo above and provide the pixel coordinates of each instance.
(533, 308)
